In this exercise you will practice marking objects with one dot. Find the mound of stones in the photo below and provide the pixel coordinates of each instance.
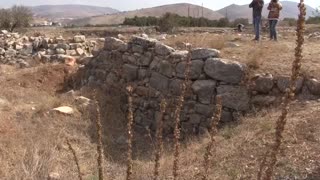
(16, 49)
(157, 71)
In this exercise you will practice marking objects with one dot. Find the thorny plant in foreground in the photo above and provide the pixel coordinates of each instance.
(130, 133)
(289, 95)
(177, 117)
(159, 145)
(214, 130)
(99, 136)
(76, 160)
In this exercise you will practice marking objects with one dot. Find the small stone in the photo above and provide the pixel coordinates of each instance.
(2, 51)
(4, 32)
(54, 176)
(121, 37)
(234, 97)
(314, 86)
(163, 50)
(195, 69)
(112, 43)
(144, 42)
(204, 89)
(264, 83)
(50, 52)
(130, 72)
(159, 82)
(60, 51)
(79, 51)
(205, 110)
(4, 104)
(175, 86)
(137, 49)
(166, 69)
(79, 39)
(144, 60)
(71, 52)
(83, 101)
(64, 110)
(10, 53)
(284, 81)
(203, 53)
(195, 119)
(102, 39)
(232, 45)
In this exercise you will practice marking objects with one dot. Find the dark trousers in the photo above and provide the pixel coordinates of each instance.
(256, 25)
(273, 30)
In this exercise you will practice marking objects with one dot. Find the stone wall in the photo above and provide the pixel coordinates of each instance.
(156, 71)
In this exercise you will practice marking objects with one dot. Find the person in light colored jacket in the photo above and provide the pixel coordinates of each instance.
(274, 13)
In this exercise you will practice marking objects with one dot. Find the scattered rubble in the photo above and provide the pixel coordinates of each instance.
(19, 50)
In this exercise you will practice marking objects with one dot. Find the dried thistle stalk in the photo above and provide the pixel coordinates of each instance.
(214, 130)
(290, 93)
(99, 136)
(76, 160)
(177, 118)
(130, 133)
(159, 145)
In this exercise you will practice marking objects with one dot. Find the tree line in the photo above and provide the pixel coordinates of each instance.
(170, 20)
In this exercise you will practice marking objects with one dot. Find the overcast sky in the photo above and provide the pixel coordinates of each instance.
(137, 4)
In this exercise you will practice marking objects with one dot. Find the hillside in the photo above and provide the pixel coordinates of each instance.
(181, 9)
(290, 10)
(70, 11)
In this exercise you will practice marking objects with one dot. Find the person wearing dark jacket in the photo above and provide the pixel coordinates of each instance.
(257, 6)
(274, 7)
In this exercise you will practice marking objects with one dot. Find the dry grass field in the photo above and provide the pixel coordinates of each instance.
(33, 138)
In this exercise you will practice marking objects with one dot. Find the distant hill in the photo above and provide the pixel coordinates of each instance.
(290, 10)
(181, 9)
(70, 11)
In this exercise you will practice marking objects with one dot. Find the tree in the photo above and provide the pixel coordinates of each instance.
(21, 17)
(15, 17)
(168, 22)
(316, 13)
(316, 17)
(5, 18)
(223, 22)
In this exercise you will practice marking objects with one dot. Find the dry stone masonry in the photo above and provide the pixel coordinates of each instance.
(17, 50)
(156, 71)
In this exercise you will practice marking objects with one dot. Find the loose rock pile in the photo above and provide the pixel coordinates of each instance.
(17, 50)
(156, 71)
(315, 36)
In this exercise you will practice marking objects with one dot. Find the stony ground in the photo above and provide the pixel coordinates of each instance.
(33, 137)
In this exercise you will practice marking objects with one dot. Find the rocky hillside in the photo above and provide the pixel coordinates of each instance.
(70, 11)
(181, 9)
(290, 10)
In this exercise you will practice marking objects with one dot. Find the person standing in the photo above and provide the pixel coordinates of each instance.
(257, 6)
(274, 13)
